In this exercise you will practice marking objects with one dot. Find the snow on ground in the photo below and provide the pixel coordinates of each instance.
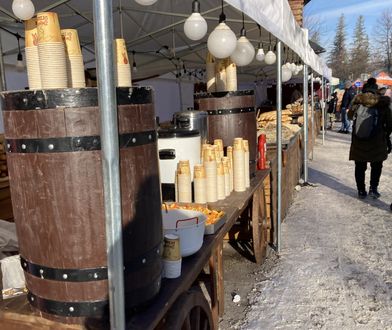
(335, 266)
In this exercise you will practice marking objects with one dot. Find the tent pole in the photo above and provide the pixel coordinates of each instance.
(103, 34)
(306, 98)
(323, 106)
(3, 85)
(279, 136)
(312, 112)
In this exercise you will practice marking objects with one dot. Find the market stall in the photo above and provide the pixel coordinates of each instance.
(98, 178)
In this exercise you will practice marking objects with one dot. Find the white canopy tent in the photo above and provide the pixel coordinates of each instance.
(155, 33)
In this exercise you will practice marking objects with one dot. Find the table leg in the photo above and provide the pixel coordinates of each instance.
(214, 289)
(221, 289)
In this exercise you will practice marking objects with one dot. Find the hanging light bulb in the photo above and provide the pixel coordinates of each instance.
(244, 52)
(19, 59)
(222, 41)
(260, 55)
(23, 9)
(286, 73)
(146, 2)
(260, 51)
(270, 57)
(134, 67)
(195, 26)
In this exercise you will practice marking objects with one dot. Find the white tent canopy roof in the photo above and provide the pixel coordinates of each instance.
(155, 33)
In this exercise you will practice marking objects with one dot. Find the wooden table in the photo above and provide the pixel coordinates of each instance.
(17, 314)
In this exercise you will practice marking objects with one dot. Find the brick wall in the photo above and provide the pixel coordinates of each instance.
(297, 7)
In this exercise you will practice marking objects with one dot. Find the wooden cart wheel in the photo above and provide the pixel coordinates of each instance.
(191, 311)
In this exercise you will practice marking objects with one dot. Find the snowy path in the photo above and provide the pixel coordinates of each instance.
(335, 268)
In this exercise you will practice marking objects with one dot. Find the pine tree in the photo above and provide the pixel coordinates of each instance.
(383, 38)
(338, 58)
(360, 50)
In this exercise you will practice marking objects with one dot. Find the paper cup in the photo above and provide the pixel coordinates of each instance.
(31, 34)
(200, 185)
(71, 41)
(33, 70)
(48, 27)
(172, 269)
(53, 65)
(121, 52)
(171, 247)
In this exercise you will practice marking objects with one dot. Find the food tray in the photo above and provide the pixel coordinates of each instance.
(213, 228)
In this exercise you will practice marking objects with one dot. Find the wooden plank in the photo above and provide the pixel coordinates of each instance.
(220, 278)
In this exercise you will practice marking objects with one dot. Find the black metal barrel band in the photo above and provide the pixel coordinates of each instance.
(72, 309)
(145, 260)
(230, 111)
(70, 98)
(73, 144)
(65, 275)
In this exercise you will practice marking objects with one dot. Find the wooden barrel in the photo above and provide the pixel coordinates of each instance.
(231, 115)
(55, 169)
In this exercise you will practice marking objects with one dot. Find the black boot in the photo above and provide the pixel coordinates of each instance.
(362, 194)
(374, 193)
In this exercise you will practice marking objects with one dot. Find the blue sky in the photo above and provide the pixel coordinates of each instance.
(329, 11)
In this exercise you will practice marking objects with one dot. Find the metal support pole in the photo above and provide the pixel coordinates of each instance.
(323, 106)
(306, 123)
(103, 33)
(279, 136)
(312, 112)
(3, 84)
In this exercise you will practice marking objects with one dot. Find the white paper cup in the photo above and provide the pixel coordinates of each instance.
(172, 269)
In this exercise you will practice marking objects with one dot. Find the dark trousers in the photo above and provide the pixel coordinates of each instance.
(375, 173)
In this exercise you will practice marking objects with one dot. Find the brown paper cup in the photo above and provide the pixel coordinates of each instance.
(171, 247)
(31, 34)
(238, 144)
(71, 41)
(48, 27)
(199, 171)
(245, 144)
(121, 51)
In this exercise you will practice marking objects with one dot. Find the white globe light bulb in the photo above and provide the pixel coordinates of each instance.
(260, 55)
(243, 53)
(222, 41)
(270, 58)
(146, 2)
(23, 9)
(286, 73)
(293, 67)
(301, 67)
(195, 27)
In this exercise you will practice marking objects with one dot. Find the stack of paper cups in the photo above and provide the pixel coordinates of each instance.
(209, 162)
(226, 162)
(231, 75)
(239, 165)
(176, 186)
(231, 172)
(123, 68)
(171, 256)
(210, 73)
(219, 143)
(220, 180)
(75, 65)
(199, 183)
(51, 50)
(217, 152)
(246, 163)
(220, 76)
(32, 57)
(204, 147)
(184, 182)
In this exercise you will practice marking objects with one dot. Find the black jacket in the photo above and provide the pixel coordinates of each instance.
(375, 148)
(348, 96)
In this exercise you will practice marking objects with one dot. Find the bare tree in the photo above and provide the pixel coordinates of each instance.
(316, 27)
(383, 37)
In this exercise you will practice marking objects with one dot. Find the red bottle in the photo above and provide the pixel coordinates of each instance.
(262, 146)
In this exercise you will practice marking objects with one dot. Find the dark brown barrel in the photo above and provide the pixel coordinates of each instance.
(231, 115)
(54, 159)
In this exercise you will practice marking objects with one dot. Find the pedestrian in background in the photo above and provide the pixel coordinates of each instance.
(348, 96)
(332, 108)
(370, 142)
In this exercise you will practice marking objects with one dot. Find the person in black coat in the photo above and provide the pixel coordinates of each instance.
(375, 149)
(348, 96)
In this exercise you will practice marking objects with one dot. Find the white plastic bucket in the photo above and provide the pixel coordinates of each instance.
(188, 225)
